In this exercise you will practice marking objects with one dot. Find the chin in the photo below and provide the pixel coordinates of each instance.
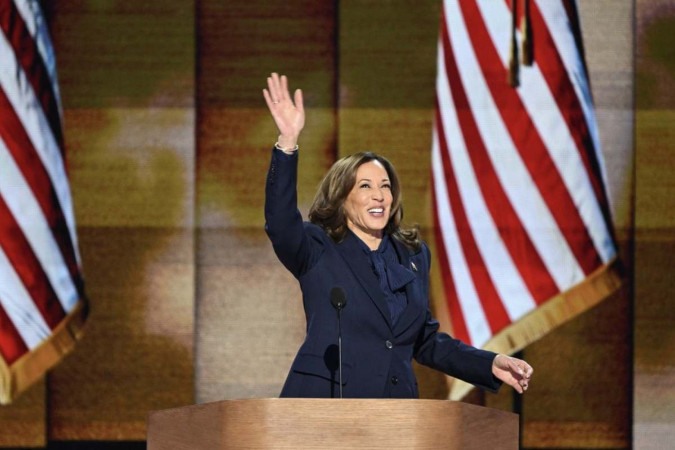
(377, 229)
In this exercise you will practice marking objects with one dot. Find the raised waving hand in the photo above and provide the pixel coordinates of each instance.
(288, 113)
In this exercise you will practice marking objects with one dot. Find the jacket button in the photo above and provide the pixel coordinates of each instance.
(394, 380)
(388, 344)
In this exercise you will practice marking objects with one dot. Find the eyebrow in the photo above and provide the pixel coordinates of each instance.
(368, 179)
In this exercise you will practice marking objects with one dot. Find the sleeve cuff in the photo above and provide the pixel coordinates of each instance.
(293, 150)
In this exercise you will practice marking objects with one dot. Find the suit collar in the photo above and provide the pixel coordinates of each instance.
(359, 263)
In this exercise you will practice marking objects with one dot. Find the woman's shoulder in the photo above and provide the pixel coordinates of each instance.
(419, 250)
(414, 246)
(423, 250)
(316, 231)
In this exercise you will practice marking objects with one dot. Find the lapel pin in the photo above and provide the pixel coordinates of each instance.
(414, 267)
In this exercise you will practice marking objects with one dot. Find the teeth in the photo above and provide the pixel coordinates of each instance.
(376, 210)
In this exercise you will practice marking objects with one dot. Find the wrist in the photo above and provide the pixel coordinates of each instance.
(287, 143)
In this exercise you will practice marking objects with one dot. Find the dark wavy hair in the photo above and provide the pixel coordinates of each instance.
(327, 210)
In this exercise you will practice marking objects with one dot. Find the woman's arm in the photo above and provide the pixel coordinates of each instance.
(483, 368)
(283, 222)
(451, 356)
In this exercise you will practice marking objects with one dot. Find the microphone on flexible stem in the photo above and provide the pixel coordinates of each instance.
(339, 301)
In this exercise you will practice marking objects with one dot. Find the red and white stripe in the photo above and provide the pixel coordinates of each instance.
(40, 278)
(519, 204)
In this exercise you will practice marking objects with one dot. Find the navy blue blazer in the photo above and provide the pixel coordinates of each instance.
(376, 354)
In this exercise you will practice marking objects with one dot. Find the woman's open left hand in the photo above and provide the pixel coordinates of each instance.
(512, 371)
(288, 114)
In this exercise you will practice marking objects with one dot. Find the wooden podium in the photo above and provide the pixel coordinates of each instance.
(285, 423)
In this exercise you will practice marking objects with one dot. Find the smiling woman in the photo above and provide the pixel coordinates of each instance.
(354, 244)
(368, 204)
(350, 196)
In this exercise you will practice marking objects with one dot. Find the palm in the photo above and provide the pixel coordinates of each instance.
(289, 119)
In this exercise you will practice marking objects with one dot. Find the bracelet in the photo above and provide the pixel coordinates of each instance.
(288, 151)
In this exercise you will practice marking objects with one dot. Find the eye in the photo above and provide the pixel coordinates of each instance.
(386, 186)
(364, 185)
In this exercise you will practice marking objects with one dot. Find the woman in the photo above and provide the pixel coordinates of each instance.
(354, 244)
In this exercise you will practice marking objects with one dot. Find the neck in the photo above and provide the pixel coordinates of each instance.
(372, 240)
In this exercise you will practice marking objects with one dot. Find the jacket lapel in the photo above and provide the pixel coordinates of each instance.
(358, 263)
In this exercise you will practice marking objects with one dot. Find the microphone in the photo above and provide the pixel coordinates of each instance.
(339, 301)
(337, 298)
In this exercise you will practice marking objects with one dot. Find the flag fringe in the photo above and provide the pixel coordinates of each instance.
(33, 365)
(561, 308)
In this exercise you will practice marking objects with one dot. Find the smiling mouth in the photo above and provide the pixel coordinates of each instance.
(376, 211)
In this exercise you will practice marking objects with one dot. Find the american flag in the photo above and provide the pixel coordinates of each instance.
(42, 305)
(523, 228)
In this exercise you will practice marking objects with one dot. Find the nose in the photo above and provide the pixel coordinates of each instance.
(378, 194)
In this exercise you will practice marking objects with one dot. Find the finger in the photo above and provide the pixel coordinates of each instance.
(513, 366)
(275, 80)
(268, 98)
(274, 87)
(271, 90)
(525, 367)
(283, 95)
(525, 384)
(299, 101)
(271, 104)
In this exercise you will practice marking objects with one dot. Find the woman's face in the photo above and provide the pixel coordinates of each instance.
(368, 204)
